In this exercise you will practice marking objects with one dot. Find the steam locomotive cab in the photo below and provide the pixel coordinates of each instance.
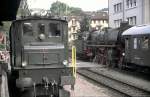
(39, 57)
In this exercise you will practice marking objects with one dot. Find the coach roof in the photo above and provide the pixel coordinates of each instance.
(138, 30)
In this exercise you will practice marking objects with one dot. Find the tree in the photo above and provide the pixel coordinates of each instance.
(59, 8)
(23, 9)
(76, 11)
(85, 24)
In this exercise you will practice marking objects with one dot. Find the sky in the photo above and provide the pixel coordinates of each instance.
(86, 5)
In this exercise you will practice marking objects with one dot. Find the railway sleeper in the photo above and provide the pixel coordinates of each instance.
(123, 80)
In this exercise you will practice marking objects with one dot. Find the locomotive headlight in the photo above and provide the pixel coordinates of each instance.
(41, 36)
(24, 64)
(65, 62)
(123, 54)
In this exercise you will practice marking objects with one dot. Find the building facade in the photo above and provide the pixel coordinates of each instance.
(99, 20)
(136, 12)
(73, 27)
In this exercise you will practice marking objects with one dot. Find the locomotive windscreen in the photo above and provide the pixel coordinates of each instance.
(42, 41)
(42, 30)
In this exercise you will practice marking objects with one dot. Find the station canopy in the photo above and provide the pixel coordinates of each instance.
(137, 30)
(8, 9)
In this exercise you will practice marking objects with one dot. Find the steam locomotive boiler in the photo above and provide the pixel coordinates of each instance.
(39, 58)
(106, 46)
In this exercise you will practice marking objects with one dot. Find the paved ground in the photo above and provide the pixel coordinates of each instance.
(4, 86)
(82, 64)
(84, 88)
(132, 79)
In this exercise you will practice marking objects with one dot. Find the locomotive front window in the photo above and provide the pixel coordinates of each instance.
(145, 43)
(27, 29)
(41, 28)
(54, 29)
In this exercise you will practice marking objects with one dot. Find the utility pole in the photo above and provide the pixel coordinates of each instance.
(123, 5)
(66, 10)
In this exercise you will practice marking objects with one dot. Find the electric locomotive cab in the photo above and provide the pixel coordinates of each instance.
(39, 57)
(137, 45)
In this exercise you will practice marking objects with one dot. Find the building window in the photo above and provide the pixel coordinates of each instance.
(127, 2)
(132, 20)
(115, 8)
(74, 22)
(73, 29)
(134, 2)
(117, 22)
(118, 7)
(131, 3)
(94, 21)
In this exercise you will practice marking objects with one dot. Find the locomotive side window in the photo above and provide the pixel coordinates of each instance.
(54, 29)
(145, 43)
(41, 28)
(27, 29)
(135, 43)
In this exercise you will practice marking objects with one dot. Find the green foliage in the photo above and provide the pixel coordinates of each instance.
(59, 8)
(6, 26)
(85, 24)
(2, 46)
(75, 11)
(5, 29)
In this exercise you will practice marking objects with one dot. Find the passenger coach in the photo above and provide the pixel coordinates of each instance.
(137, 45)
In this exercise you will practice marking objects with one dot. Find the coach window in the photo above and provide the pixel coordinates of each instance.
(135, 43)
(27, 29)
(127, 43)
(41, 28)
(54, 29)
(145, 43)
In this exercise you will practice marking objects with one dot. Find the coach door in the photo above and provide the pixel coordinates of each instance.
(127, 48)
(144, 52)
(135, 53)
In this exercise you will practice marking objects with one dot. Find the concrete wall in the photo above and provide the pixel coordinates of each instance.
(147, 11)
(141, 11)
(112, 15)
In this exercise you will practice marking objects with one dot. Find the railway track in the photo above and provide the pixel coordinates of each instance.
(118, 86)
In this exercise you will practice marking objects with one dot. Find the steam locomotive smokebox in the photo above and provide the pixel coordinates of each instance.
(124, 23)
(111, 36)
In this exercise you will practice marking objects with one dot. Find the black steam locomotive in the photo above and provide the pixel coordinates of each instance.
(125, 46)
(39, 58)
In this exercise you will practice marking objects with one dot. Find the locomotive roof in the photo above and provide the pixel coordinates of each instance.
(138, 30)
